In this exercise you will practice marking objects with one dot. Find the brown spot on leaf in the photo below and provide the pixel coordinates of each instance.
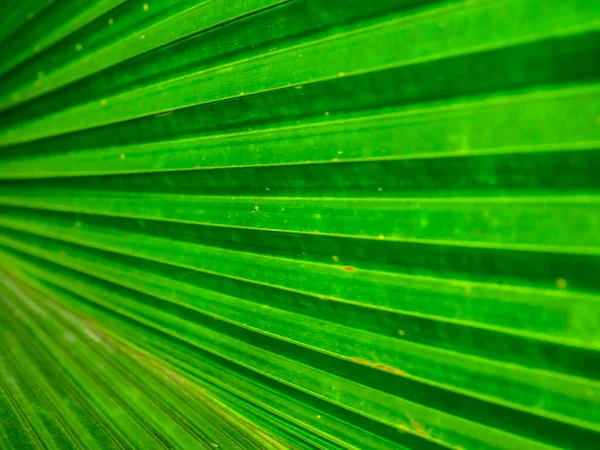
(561, 283)
(380, 366)
(391, 370)
(417, 426)
(349, 269)
(362, 361)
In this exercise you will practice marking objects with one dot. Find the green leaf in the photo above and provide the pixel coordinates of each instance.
(300, 224)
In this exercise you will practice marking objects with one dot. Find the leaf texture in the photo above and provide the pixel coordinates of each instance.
(300, 224)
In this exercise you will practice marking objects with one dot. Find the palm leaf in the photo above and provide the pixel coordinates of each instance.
(300, 224)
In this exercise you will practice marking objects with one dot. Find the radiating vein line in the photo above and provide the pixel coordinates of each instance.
(498, 222)
(460, 128)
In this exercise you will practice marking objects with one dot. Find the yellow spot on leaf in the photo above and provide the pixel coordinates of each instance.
(561, 283)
